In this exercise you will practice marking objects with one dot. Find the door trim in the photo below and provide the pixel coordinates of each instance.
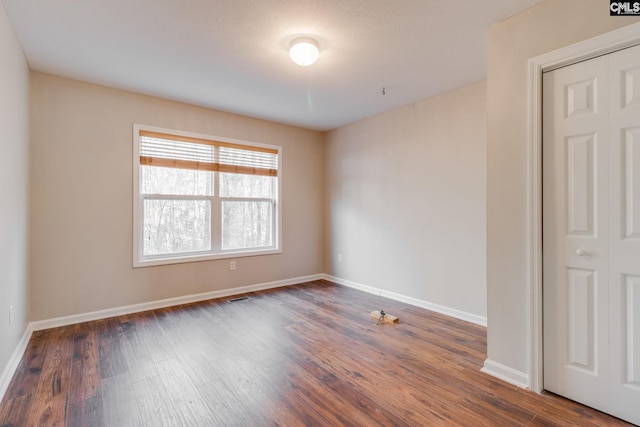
(587, 49)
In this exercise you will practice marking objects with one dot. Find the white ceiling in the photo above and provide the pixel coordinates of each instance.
(232, 55)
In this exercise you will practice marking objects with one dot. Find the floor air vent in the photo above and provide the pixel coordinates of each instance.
(237, 299)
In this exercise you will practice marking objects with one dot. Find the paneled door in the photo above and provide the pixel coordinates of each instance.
(591, 232)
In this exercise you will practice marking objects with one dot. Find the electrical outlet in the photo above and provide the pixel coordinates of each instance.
(10, 315)
(232, 265)
(339, 257)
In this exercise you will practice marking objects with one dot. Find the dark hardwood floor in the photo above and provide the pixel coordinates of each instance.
(297, 356)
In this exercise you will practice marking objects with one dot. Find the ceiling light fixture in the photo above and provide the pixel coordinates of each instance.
(304, 51)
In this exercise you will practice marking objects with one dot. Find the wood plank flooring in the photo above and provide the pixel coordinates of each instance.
(306, 355)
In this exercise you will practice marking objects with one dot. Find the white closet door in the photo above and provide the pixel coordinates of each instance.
(591, 232)
(624, 237)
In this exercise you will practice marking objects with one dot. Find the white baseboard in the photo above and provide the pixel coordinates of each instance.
(506, 373)
(458, 314)
(14, 361)
(152, 305)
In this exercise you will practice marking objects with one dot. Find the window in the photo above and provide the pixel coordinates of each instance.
(199, 197)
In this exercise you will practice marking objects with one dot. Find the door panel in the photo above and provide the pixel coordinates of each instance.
(631, 183)
(581, 98)
(631, 88)
(581, 184)
(582, 320)
(632, 303)
(575, 157)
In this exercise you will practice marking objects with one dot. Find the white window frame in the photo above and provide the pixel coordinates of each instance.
(215, 253)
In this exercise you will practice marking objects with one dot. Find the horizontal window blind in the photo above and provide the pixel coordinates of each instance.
(183, 152)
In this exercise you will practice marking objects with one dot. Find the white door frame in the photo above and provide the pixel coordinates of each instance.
(590, 48)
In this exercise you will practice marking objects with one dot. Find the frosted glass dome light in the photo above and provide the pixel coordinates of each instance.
(304, 51)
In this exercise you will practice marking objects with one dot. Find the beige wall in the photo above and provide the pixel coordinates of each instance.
(548, 26)
(14, 181)
(81, 200)
(405, 200)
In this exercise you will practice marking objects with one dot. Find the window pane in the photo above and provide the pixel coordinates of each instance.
(239, 185)
(246, 225)
(173, 226)
(186, 182)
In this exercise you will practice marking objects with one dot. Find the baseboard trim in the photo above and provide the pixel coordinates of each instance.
(152, 305)
(505, 373)
(14, 361)
(458, 314)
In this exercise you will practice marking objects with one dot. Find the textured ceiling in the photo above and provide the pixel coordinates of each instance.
(231, 55)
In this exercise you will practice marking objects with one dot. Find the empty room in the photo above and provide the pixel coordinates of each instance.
(319, 213)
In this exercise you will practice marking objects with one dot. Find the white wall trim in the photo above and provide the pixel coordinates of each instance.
(152, 305)
(14, 361)
(458, 314)
(600, 45)
(505, 373)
